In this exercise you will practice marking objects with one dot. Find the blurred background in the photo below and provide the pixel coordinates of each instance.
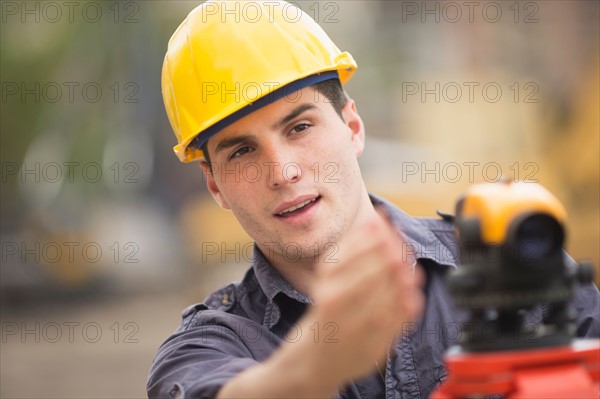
(102, 244)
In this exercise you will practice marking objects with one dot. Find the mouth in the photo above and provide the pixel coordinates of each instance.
(299, 208)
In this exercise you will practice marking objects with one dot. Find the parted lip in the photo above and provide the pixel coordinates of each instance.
(289, 204)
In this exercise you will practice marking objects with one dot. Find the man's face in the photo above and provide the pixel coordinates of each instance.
(289, 173)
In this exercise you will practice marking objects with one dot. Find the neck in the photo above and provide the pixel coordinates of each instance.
(301, 273)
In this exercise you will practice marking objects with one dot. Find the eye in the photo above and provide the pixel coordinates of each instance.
(300, 128)
(241, 151)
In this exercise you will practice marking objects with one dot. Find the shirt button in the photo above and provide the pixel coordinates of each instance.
(175, 392)
(225, 300)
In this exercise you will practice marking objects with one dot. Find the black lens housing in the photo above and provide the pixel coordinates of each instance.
(496, 282)
(535, 238)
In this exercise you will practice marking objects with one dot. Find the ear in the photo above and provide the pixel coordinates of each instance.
(356, 126)
(212, 186)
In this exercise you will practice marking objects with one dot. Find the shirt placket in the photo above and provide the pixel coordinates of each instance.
(401, 380)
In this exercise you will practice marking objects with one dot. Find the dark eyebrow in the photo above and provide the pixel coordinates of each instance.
(232, 141)
(295, 112)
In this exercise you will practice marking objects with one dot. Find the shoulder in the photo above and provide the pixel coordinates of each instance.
(443, 223)
(442, 227)
(429, 238)
(222, 305)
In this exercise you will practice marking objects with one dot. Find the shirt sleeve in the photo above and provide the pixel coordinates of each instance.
(586, 302)
(197, 362)
(587, 305)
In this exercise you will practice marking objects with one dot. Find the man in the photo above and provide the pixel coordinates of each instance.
(334, 301)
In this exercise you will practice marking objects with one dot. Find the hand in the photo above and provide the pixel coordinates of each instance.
(367, 296)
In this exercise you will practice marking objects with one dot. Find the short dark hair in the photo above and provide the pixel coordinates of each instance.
(331, 89)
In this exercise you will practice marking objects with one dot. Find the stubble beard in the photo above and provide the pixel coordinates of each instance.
(320, 248)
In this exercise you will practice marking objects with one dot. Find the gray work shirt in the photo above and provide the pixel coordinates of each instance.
(243, 323)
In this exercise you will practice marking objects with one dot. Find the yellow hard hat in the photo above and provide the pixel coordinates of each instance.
(228, 59)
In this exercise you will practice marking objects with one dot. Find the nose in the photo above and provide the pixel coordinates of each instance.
(281, 168)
